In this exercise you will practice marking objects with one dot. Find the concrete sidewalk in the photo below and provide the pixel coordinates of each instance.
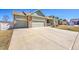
(42, 38)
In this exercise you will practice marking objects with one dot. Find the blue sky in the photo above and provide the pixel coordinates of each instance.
(61, 13)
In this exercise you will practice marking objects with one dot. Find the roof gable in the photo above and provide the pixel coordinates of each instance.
(38, 13)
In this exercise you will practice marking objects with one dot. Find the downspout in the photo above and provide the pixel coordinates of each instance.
(27, 22)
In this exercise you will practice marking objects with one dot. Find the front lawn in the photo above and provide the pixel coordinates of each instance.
(66, 27)
(5, 37)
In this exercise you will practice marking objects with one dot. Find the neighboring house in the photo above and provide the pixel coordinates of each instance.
(52, 21)
(4, 25)
(26, 20)
(49, 21)
(64, 22)
(74, 22)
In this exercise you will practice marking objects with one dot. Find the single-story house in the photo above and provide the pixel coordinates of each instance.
(28, 20)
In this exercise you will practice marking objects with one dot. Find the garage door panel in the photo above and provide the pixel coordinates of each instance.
(37, 24)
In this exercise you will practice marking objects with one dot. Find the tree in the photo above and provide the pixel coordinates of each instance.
(60, 21)
(53, 16)
(5, 18)
(57, 17)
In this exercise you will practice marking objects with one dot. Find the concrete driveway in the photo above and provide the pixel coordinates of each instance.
(43, 38)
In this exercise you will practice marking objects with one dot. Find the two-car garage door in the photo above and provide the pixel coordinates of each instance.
(37, 24)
